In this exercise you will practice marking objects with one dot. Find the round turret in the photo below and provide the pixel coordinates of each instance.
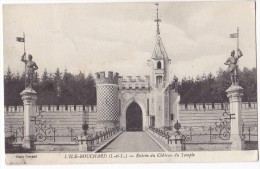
(107, 100)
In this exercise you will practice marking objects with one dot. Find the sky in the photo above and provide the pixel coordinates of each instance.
(120, 37)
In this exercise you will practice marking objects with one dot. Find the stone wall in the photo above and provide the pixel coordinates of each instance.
(132, 83)
(199, 121)
(51, 108)
(62, 121)
(63, 117)
(214, 106)
(208, 117)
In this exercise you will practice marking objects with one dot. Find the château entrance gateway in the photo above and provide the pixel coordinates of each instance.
(134, 120)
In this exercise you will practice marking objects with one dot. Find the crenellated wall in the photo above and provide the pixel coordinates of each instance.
(110, 78)
(62, 121)
(134, 83)
(93, 108)
(214, 106)
(63, 117)
(52, 108)
(204, 115)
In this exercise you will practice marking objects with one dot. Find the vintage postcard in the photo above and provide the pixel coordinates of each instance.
(130, 82)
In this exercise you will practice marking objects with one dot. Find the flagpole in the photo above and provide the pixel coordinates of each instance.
(24, 59)
(237, 38)
(24, 42)
(236, 73)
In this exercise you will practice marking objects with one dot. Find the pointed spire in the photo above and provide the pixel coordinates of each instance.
(159, 50)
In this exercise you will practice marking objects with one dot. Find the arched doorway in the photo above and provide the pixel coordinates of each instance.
(134, 119)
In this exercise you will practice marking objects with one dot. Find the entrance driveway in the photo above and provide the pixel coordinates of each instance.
(133, 142)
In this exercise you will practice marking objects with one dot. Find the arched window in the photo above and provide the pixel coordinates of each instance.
(158, 80)
(159, 65)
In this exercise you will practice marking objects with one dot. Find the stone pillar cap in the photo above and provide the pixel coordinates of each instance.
(234, 88)
(28, 90)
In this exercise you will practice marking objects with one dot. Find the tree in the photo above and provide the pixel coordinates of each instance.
(80, 88)
(248, 80)
(57, 85)
(222, 83)
(8, 91)
(90, 88)
(67, 89)
(46, 93)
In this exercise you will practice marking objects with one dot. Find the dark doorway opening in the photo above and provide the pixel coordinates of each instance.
(134, 119)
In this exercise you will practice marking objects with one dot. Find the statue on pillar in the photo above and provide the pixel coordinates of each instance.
(235, 94)
(30, 67)
(232, 65)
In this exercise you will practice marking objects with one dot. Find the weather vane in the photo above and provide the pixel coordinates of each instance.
(157, 20)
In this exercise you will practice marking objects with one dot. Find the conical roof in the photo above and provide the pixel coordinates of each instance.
(159, 51)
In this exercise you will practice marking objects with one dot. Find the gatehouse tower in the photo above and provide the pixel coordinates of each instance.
(135, 103)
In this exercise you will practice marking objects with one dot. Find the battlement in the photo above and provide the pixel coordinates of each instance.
(136, 82)
(93, 108)
(213, 106)
(111, 78)
(54, 108)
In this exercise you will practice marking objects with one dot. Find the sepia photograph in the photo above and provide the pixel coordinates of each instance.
(131, 82)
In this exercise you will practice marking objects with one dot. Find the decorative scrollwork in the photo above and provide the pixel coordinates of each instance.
(186, 137)
(75, 139)
(72, 137)
(221, 129)
(43, 131)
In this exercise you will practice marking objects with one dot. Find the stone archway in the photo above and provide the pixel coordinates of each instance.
(134, 117)
(125, 105)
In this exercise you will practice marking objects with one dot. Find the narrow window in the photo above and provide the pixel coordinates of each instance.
(147, 106)
(159, 65)
(171, 116)
(158, 80)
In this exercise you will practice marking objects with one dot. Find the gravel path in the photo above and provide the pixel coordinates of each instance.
(133, 142)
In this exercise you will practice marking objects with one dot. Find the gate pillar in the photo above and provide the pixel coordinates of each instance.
(29, 97)
(235, 94)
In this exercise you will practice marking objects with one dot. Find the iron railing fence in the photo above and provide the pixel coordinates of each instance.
(47, 133)
(220, 131)
(250, 132)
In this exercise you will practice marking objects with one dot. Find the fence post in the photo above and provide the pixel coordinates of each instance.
(54, 131)
(16, 135)
(190, 133)
(249, 132)
(71, 134)
(243, 128)
(210, 129)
